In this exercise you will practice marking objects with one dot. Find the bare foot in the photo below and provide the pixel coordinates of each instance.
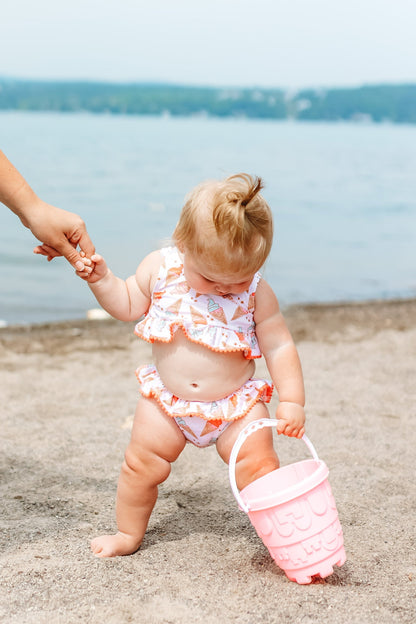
(115, 545)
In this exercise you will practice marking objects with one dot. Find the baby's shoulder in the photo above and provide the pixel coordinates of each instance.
(151, 262)
(264, 290)
(265, 299)
(148, 270)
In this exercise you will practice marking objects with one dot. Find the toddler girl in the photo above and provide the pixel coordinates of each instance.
(208, 314)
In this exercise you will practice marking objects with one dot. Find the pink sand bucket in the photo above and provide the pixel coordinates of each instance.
(293, 512)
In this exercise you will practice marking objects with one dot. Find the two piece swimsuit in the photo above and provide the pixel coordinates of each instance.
(220, 323)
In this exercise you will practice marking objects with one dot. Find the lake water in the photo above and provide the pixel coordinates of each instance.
(343, 198)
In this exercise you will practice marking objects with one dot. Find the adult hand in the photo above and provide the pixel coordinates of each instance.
(61, 232)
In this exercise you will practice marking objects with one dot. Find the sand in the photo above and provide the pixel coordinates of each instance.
(68, 394)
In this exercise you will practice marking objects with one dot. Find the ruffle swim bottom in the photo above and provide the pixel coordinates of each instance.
(202, 422)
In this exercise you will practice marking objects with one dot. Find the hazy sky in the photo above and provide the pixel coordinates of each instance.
(282, 43)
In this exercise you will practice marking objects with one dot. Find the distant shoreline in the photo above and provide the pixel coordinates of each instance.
(368, 103)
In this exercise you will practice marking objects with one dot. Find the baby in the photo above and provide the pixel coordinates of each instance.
(208, 314)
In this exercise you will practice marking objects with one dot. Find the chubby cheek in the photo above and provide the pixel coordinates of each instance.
(194, 281)
(201, 287)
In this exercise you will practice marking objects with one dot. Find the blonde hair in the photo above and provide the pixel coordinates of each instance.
(227, 224)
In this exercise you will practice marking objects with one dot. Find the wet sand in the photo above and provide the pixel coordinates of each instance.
(68, 394)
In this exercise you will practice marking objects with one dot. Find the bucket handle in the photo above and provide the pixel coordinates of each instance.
(242, 437)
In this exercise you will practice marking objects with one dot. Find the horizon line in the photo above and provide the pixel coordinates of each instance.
(165, 83)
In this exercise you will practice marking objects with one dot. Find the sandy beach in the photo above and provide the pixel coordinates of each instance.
(68, 395)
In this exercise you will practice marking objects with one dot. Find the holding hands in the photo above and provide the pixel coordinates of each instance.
(94, 268)
(61, 232)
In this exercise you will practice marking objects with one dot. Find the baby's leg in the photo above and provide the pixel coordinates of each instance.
(155, 442)
(257, 456)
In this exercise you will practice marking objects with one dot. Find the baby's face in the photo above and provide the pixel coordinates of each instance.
(208, 282)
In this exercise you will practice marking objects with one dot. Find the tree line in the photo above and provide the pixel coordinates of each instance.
(377, 103)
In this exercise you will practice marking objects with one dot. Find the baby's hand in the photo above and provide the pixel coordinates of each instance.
(94, 269)
(291, 417)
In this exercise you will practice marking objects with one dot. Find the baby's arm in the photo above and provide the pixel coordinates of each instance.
(282, 359)
(125, 300)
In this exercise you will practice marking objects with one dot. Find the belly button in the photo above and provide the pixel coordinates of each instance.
(194, 385)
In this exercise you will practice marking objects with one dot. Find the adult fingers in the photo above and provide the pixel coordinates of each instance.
(86, 243)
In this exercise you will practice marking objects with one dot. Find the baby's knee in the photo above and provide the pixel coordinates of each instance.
(146, 464)
(253, 467)
(266, 465)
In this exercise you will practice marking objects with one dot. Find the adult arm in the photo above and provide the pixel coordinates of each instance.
(60, 231)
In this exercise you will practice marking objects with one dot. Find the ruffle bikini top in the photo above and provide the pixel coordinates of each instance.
(221, 323)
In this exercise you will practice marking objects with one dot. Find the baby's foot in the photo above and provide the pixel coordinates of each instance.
(115, 545)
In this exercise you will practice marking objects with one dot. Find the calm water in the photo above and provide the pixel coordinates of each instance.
(343, 197)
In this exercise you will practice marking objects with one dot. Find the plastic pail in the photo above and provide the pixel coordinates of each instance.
(293, 512)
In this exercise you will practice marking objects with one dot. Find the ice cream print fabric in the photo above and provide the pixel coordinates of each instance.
(222, 323)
